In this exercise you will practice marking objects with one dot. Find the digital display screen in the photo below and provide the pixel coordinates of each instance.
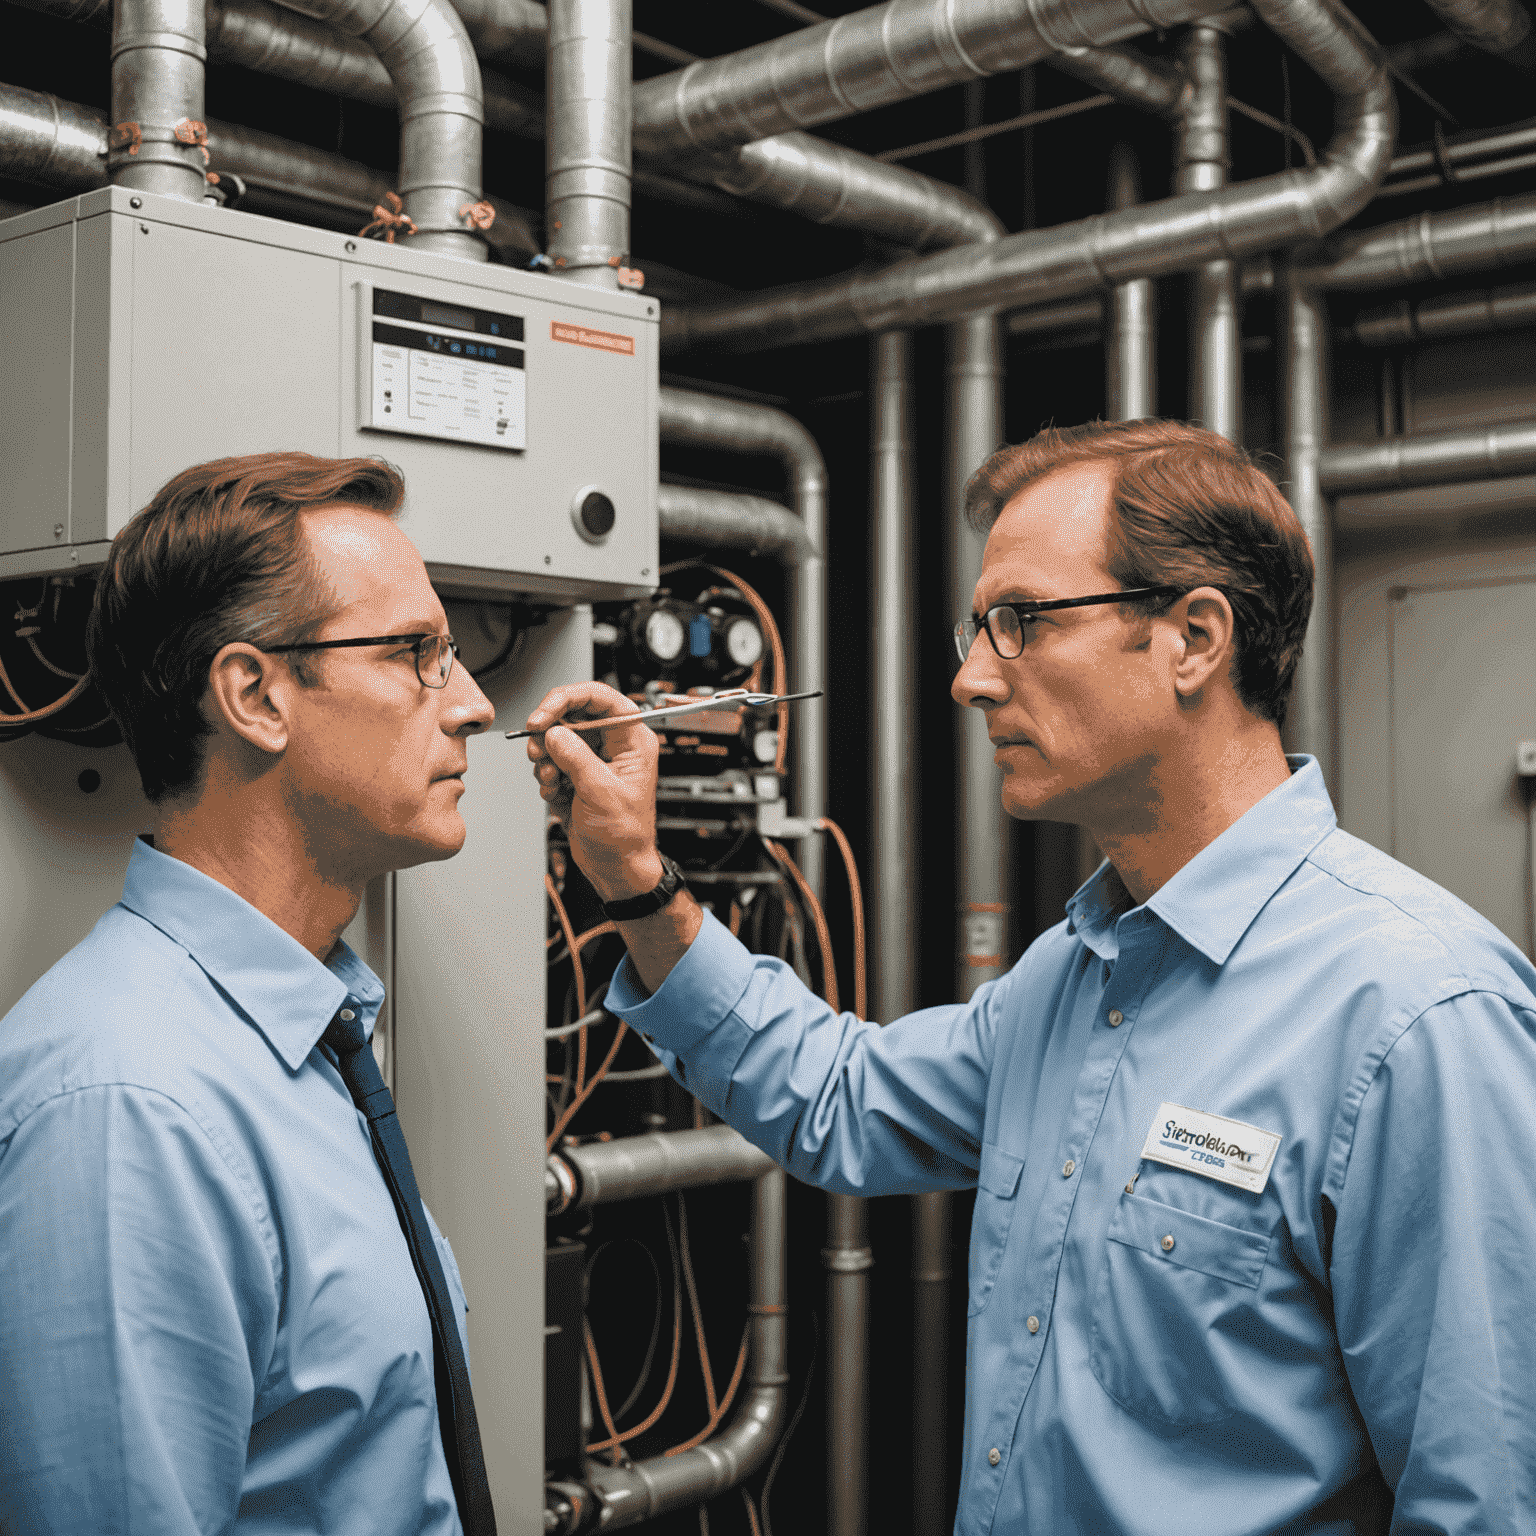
(446, 314)
(448, 346)
(409, 307)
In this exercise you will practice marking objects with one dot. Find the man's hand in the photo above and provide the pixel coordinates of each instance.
(605, 799)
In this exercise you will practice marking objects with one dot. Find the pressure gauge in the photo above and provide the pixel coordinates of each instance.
(744, 642)
(665, 636)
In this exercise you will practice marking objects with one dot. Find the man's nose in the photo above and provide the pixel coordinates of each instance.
(979, 684)
(469, 711)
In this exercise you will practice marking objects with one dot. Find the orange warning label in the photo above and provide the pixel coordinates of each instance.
(583, 336)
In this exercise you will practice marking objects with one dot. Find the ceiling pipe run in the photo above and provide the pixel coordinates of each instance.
(873, 58)
(734, 520)
(1130, 352)
(636, 1167)
(1429, 458)
(1497, 26)
(1037, 266)
(1153, 85)
(587, 158)
(423, 45)
(1485, 313)
(158, 67)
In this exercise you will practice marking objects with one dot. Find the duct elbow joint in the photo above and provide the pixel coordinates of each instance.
(570, 1509)
(562, 1187)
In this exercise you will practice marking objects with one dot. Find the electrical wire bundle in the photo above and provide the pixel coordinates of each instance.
(45, 683)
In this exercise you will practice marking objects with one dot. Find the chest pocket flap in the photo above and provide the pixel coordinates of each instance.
(1212, 1247)
(997, 1182)
(999, 1174)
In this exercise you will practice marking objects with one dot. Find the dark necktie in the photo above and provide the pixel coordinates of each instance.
(455, 1405)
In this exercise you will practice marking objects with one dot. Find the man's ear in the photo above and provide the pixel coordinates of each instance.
(249, 695)
(1207, 631)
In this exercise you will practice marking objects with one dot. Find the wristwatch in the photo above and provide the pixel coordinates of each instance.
(631, 907)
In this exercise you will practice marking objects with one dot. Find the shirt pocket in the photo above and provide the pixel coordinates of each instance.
(1176, 1298)
(997, 1188)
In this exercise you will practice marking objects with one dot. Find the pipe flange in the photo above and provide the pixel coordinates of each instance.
(848, 1261)
(560, 1186)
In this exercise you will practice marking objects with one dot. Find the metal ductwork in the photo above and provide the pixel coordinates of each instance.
(734, 520)
(644, 1489)
(1178, 234)
(1429, 458)
(634, 1167)
(158, 67)
(1130, 350)
(1130, 77)
(1499, 26)
(423, 45)
(1201, 163)
(1484, 313)
(873, 58)
(587, 175)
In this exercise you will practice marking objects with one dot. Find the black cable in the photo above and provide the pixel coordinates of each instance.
(794, 1424)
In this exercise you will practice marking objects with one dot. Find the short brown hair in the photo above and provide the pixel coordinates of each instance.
(1190, 510)
(218, 556)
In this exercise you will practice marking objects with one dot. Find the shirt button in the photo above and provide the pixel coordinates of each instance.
(1068, 1168)
(1168, 1243)
(994, 1456)
(1033, 1324)
(1116, 1018)
(346, 1015)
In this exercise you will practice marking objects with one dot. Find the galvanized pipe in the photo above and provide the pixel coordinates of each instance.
(423, 45)
(1035, 266)
(734, 520)
(1201, 162)
(873, 58)
(158, 65)
(1139, 81)
(694, 419)
(1130, 349)
(587, 157)
(1429, 458)
(932, 1221)
(636, 1167)
(1312, 721)
(848, 1259)
(644, 1489)
(1487, 312)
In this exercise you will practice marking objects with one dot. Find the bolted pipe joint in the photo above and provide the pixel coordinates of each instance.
(588, 161)
(159, 55)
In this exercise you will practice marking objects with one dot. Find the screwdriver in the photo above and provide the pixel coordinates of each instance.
(732, 698)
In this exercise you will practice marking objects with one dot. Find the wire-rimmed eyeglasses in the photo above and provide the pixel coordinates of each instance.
(434, 653)
(1008, 624)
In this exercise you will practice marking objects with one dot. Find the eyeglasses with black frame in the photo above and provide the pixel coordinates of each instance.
(1008, 624)
(434, 653)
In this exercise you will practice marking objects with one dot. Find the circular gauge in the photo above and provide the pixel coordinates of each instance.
(665, 636)
(744, 642)
(765, 746)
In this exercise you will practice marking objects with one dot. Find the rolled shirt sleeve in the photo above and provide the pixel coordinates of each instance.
(836, 1100)
(1431, 1266)
(140, 1302)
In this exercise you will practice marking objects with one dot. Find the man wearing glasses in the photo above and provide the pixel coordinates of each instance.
(222, 1304)
(1251, 1132)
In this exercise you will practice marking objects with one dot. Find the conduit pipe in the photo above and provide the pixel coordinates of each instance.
(1311, 723)
(690, 418)
(634, 1167)
(1484, 313)
(158, 66)
(1037, 266)
(626, 1495)
(734, 520)
(873, 58)
(587, 159)
(1201, 161)
(1429, 458)
(423, 45)
(1130, 346)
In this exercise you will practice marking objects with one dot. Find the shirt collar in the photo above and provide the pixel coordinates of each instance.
(1213, 900)
(280, 987)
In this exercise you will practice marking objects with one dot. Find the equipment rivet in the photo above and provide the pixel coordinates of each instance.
(143, 229)
(135, 202)
(549, 559)
(351, 246)
(58, 530)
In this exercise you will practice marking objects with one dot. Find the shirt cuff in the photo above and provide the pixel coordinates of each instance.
(698, 996)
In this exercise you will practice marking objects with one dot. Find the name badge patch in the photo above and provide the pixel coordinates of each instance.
(1212, 1145)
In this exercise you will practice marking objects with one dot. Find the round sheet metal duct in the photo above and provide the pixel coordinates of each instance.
(158, 66)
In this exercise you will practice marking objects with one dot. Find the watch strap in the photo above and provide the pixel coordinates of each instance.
(672, 881)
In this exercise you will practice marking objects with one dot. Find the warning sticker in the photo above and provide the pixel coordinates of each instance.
(584, 336)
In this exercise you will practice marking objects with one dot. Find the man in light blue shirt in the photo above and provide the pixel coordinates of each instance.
(1253, 1131)
(210, 1320)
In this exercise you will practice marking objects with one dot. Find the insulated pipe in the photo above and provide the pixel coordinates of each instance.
(634, 1167)
(1430, 458)
(873, 58)
(1311, 723)
(587, 157)
(1484, 313)
(734, 520)
(1036, 266)
(690, 418)
(644, 1489)
(1201, 161)
(158, 65)
(1130, 344)
(423, 45)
